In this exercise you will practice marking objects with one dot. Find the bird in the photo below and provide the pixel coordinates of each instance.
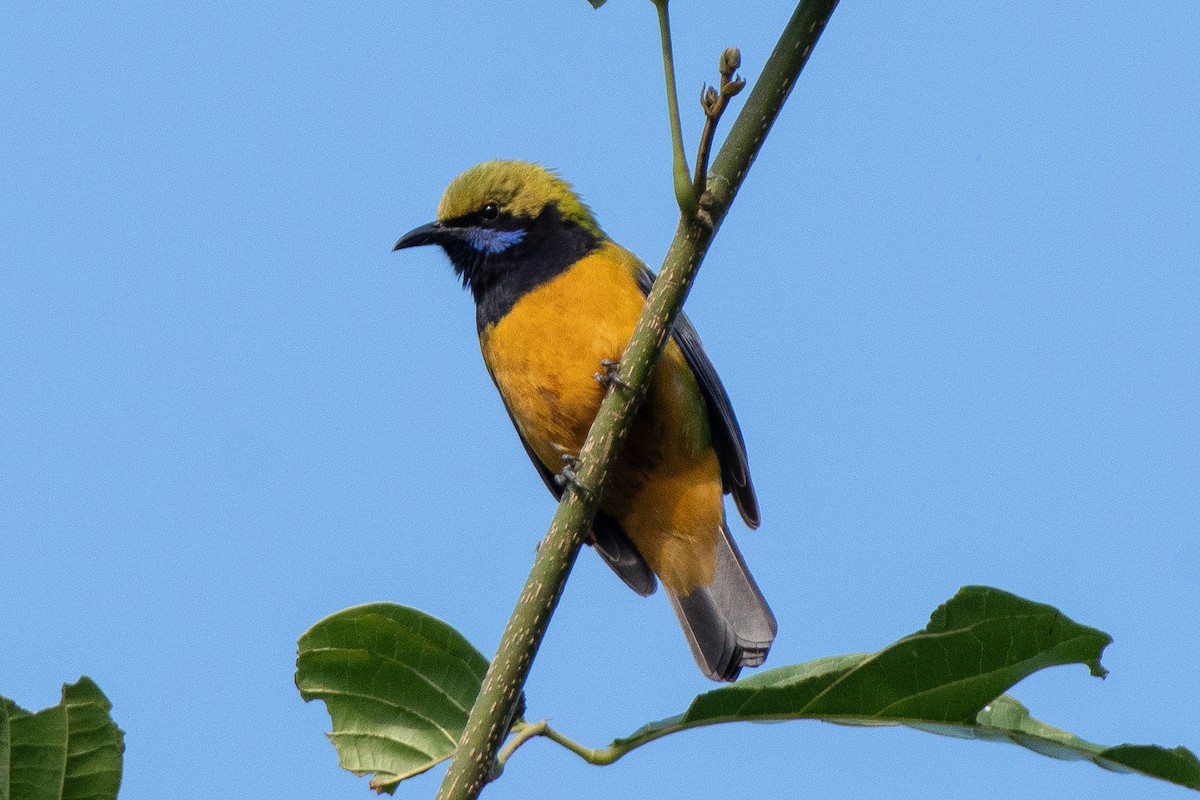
(556, 302)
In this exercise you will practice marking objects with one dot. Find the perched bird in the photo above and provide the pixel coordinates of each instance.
(556, 302)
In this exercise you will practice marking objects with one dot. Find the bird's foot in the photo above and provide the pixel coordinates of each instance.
(608, 374)
(568, 475)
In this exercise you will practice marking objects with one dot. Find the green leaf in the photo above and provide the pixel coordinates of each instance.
(976, 646)
(398, 685)
(1177, 766)
(1006, 719)
(8, 709)
(72, 750)
(947, 679)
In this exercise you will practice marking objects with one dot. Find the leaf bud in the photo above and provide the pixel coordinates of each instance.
(731, 61)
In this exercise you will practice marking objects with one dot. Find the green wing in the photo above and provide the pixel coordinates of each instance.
(726, 433)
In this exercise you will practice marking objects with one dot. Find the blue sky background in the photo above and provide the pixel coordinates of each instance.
(956, 306)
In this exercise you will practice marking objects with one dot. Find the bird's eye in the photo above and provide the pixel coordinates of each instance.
(490, 212)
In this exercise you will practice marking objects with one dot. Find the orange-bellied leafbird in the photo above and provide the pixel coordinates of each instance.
(555, 298)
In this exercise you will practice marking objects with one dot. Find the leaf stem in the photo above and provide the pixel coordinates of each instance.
(600, 756)
(524, 731)
(685, 195)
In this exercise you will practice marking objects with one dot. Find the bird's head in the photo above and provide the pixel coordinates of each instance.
(502, 221)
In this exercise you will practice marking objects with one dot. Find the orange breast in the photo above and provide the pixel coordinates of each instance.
(543, 356)
(544, 353)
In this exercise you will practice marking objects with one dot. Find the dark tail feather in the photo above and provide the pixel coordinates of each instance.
(620, 553)
(728, 624)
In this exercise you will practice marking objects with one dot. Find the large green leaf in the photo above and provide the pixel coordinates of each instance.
(398, 685)
(69, 752)
(976, 645)
(947, 679)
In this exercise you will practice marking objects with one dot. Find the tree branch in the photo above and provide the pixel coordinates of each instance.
(496, 706)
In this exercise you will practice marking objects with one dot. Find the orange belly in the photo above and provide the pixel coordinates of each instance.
(543, 355)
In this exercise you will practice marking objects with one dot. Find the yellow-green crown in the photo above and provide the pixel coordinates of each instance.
(519, 188)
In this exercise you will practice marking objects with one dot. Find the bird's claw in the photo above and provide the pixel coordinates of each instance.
(608, 374)
(568, 475)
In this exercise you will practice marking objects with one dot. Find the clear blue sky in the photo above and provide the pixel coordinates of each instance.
(956, 306)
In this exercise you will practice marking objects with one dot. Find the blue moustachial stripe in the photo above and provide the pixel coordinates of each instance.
(487, 240)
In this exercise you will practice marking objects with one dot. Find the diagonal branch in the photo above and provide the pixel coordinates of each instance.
(496, 706)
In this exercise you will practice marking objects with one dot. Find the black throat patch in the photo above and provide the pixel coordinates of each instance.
(549, 246)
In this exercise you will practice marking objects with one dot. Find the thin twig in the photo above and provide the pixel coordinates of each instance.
(714, 103)
(684, 194)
